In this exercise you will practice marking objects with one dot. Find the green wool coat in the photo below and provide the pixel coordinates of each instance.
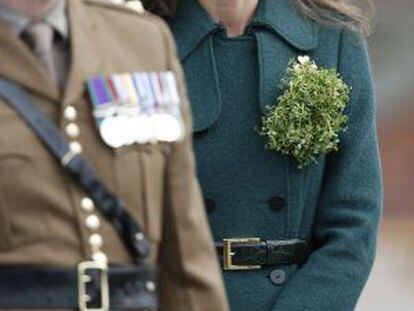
(253, 192)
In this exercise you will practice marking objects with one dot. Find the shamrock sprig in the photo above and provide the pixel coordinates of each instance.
(309, 115)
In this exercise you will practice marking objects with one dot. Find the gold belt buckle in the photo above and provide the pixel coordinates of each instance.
(228, 254)
(84, 279)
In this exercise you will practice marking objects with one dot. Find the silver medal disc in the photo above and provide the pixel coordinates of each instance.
(126, 129)
(142, 129)
(167, 128)
(111, 132)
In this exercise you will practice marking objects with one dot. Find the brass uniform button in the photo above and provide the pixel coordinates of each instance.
(70, 113)
(96, 241)
(87, 204)
(75, 147)
(99, 257)
(93, 222)
(72, 130)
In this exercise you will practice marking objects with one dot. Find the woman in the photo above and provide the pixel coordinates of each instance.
(316, 225)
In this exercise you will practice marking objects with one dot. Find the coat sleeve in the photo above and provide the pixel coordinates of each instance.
(190, 277)
(350, 202)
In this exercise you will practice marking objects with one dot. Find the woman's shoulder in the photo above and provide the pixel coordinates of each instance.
(285, 19)
(342, 33)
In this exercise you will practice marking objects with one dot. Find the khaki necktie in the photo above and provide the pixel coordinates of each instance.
(41, 36)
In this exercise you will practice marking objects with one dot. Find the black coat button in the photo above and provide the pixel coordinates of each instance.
(276, 203)
(210, 205)
(278, 277)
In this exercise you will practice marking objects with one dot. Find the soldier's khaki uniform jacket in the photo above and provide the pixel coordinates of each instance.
(42, 222)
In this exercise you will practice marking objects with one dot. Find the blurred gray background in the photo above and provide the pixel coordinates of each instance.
(391, 285)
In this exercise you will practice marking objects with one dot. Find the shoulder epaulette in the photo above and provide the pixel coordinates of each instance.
(130, 6)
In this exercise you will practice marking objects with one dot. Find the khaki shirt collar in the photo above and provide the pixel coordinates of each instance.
(88, 56)
(56, 17)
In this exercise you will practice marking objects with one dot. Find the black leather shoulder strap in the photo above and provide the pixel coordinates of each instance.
(111, 207)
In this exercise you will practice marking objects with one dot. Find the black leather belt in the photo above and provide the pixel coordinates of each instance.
(90, 287)
(254, 253)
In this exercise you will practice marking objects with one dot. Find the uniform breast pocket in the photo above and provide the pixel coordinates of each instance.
(5, 230)
(25, 173)
(140, 182)
(21, 218)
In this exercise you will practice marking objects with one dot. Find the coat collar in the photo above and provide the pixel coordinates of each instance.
(283, 18)
(190, 27)
(280, 17)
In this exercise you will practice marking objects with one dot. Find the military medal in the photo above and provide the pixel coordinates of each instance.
(167, 120)
(176, 126)
(144, 128)
(129, 110)
(104, 112)
(161, 127)
(141, 107)
(150, 105)
(118, 127)
(111, 132)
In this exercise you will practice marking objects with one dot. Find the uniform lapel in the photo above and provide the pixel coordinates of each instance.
(88, 54)
(20, 65)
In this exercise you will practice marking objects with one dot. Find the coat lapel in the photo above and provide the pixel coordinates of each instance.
(282, 34)
(203, 81)
(283, 19)
(87, 50)
(192, 30)
(191, 27)
(21, 66)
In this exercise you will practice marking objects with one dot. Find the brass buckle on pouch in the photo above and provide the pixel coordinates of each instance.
(228, 254)
(84, 279)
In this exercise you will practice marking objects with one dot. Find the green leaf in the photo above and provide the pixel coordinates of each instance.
(309, 115)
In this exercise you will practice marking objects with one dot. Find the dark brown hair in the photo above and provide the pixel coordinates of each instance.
(346, 13)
